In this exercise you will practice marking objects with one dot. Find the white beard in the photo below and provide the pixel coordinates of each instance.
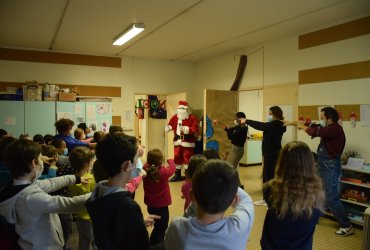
(182, 114)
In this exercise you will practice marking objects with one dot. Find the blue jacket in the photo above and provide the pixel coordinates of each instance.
(70, 141)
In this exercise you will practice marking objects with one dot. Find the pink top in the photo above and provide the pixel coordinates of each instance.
(185, 190)
(157, 194)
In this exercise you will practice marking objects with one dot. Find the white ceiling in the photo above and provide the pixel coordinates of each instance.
(181, 30)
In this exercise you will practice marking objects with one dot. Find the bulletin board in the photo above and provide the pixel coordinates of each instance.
(221, 105)
(346, 110)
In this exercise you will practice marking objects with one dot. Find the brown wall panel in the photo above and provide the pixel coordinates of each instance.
(85, 90)
(336, 33)
(311, 111)
(116, 120)
(348, 71)
(347, 109)
(60, 58)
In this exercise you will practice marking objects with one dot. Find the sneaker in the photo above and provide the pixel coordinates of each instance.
(260, 203)
(344, 231)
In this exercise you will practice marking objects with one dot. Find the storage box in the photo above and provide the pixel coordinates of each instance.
(67, 97)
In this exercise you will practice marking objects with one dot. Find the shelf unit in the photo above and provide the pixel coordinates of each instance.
(356, 209)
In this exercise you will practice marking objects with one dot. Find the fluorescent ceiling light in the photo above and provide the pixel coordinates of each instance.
(133, 31)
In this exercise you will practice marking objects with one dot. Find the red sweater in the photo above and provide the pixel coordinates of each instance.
(332, 136)
(157, 194)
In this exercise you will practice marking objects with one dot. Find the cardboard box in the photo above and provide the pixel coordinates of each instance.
(67, 97)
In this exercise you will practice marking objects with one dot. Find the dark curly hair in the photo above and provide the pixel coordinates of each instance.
(330, 113)
(63, 125)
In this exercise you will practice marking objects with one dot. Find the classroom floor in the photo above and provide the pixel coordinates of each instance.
(324, 237)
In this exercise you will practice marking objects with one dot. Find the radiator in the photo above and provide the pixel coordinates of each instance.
(366, 237)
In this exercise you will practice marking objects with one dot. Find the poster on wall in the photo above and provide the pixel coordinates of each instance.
(105, 126)
(365, 115)
(157, 108)
(103, 108)
(93, 126)
(90, 112)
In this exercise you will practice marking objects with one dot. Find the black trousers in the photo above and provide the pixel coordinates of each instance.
(160, 226)
(269, 165)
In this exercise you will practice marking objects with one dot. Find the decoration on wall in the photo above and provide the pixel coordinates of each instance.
(105, 126)
(157, 109)
(103, 108)
(93, 126)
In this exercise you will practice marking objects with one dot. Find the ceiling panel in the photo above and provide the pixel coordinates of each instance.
(29, 24)
(189, 30)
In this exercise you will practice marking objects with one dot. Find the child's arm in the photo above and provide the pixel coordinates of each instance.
(54, 184)
(243, 215)
(170, 170)
(46, 203)
(134, 183)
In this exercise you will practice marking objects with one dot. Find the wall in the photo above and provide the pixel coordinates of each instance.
(278, 63)
(135, 76)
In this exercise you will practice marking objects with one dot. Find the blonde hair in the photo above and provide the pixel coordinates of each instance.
(296, 187)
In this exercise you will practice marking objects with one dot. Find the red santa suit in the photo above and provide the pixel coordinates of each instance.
(184, 135)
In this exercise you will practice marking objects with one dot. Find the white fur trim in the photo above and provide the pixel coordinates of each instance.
(182, 107)
(185, 129)
(188, 144)
(178, 166)
(178, 128)
(186, 166)
(177, 143)
(168, 128)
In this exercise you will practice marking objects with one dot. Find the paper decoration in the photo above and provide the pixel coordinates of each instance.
(93, 125)
(91, 114)
(77, 109)
(65, 115)
(10, 121)
(103, 108)
(105, 126)
(365, 115)
(355, 163)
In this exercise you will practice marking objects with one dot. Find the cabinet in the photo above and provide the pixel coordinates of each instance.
(355, 193)
(252, 152)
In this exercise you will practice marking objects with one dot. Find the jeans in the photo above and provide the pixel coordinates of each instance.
(330, 172)
(235, 155)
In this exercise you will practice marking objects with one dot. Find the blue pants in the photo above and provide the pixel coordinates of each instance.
(330, 172)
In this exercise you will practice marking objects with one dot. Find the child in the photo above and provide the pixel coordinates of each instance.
(80, 159)
(117, 220)
(215, 188)
(295, 199)
(26, 203)
(38, 139)
(157, 194)
(194, 162)
(64, 128)
(98, 136)
(50, 168)
(48, 138)
(64, 168)
(5, 176)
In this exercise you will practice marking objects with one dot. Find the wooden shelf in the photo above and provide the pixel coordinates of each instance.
(356, 184)
(356, 203)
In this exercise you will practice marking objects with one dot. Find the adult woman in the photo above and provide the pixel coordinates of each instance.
(295, 198)
(273, 131)
(64, 128)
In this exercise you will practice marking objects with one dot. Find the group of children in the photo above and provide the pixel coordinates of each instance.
(100, 192)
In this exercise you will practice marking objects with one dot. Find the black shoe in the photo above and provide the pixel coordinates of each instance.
(177, 176)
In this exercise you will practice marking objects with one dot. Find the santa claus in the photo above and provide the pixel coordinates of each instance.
(184, 126)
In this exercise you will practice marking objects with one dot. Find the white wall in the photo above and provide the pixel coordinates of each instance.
(135, 76)
(279, 62)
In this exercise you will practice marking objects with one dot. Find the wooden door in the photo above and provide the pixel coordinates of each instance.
(220, 105)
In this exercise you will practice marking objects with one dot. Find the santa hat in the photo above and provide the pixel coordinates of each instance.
(183, 104)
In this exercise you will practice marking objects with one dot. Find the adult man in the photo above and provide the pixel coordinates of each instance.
(184, 126)
(329, 153)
